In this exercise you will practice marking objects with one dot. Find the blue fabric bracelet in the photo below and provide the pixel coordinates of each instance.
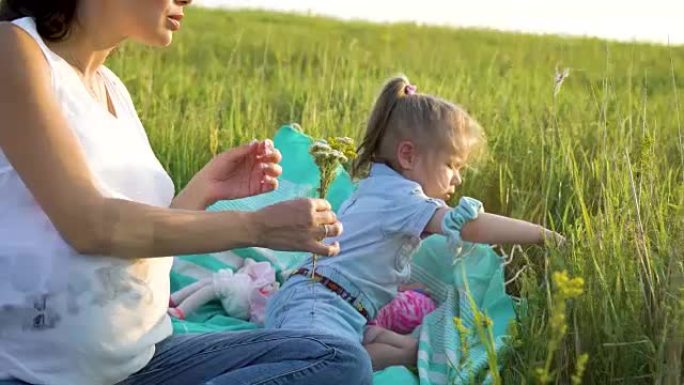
(467, 210)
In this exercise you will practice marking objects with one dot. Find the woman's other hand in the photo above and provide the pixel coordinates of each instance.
(241, 172)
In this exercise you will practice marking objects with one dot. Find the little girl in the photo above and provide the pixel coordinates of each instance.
(412, 153)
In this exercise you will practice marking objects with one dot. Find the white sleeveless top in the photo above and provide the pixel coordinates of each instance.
(67, 318)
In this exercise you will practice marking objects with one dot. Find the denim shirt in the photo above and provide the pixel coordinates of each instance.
(384, 221)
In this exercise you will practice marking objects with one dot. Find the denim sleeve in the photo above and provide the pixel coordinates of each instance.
(410, 215)
(467, 210)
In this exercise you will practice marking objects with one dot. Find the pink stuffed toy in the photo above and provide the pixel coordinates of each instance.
(405, 312)
(243, 294)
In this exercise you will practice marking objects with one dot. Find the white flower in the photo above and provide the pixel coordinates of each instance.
(338, 155)
(558, 80)
(320, 148)
(320, 144)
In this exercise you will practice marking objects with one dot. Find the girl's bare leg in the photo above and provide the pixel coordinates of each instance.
(387, 348)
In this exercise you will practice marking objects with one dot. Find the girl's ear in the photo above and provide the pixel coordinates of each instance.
(406, 155)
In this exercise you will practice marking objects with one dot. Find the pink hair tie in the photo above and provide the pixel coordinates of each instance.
(410, 89)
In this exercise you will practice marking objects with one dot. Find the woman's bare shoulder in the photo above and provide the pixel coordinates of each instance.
(14, 35)
(17, 46)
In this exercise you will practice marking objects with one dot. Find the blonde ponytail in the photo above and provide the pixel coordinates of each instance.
(393, 90)
(401, 114)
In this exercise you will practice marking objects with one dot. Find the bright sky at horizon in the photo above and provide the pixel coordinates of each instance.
(627, 20)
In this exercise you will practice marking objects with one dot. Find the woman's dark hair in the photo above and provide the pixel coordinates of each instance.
(53, 17)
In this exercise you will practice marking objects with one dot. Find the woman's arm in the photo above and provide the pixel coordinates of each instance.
(129, 229)
(35, 137)
(494, 229)
(189, 198)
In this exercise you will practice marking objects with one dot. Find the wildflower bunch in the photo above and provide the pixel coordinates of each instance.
(328, 155)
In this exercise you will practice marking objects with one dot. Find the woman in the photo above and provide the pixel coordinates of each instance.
(86, 207)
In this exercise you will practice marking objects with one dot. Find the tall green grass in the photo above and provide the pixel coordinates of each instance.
(602, 162)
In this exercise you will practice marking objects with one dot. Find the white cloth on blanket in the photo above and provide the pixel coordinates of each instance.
(243, 294)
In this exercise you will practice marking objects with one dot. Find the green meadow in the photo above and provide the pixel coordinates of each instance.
(601, 160)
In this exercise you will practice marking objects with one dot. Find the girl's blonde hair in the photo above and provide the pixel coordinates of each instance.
(401, 114)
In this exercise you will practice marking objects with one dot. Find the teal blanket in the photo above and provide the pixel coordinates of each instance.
(440, 360)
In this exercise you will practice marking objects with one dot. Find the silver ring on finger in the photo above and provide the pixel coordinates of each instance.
(326, 231)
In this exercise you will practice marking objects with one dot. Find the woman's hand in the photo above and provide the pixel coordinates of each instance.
(241, 172)
(299, 224)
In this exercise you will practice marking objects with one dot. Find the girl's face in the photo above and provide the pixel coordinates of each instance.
(150, 22)
(438, 172)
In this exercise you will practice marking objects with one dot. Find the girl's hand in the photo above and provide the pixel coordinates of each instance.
(300, 225)
(552, 238)
(241, 172)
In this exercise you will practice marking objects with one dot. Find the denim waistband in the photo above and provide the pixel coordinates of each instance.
(349, 286)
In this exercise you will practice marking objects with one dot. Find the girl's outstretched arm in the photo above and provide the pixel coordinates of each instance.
(492, 228)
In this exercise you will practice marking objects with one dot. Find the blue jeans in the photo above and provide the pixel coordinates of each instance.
(262, 357)
(304, 305)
